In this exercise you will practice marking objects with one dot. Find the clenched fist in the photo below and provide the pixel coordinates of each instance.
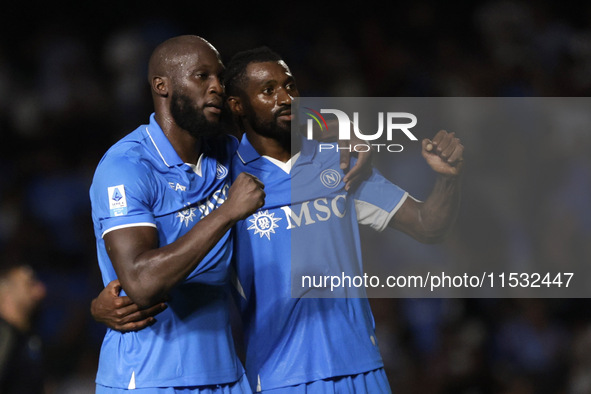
(245, 196)
(444, 153)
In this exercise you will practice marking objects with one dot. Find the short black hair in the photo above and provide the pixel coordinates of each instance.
(234, 76)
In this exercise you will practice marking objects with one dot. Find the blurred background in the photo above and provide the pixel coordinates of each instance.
(73, 81)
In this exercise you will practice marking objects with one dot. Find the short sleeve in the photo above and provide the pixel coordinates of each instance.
(122, 194)
(377, 200)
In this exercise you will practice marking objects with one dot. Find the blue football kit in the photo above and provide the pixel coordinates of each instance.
(308, 225)
(141, 181)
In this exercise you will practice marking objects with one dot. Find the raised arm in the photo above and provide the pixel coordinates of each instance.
(148, 272)
(430, 221)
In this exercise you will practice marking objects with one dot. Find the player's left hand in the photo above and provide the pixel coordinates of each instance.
(119, 312)
(444, 153)
(362, 168)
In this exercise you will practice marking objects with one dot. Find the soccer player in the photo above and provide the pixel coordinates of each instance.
(314, 345)
(162, 230)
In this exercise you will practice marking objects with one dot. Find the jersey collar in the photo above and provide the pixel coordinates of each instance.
(247, 153)
(308, 152)
(162, 144)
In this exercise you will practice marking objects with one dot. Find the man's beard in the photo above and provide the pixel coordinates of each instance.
(271, 128)
(191, 119)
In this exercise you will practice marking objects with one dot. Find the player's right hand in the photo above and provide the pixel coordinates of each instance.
(245, 196)
(120, 313)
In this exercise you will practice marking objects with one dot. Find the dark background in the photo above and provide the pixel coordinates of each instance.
(73, 81)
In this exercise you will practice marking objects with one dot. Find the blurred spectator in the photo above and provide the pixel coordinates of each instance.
(21, 361)
(529, 344)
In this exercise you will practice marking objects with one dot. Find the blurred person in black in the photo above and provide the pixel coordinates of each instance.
(21, 362)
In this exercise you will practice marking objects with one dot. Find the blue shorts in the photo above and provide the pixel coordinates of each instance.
(239, 387)
(372, 382)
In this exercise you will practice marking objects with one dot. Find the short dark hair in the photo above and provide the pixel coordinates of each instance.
(234, 76)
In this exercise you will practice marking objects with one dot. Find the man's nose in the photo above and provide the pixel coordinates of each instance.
(284, 98)
(216, 86)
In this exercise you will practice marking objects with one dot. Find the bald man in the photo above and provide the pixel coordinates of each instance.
(162, 230)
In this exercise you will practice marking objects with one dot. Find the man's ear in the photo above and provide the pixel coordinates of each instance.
(160, 86)
(235, 105)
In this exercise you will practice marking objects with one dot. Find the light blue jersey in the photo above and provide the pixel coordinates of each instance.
(291, 341)
(141, 181)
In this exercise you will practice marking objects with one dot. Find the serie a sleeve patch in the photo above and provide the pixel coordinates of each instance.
(117, 201)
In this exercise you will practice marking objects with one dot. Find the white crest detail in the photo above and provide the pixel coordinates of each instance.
(186, 215)
(330, 178)
(264, 223)
(221, 172)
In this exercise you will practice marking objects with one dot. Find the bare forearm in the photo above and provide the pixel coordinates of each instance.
(430, 221)
(148, 272)
(439, 212)
(154, 272)
(159, 270)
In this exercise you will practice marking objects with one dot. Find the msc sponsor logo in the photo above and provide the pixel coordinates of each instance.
(305, 214)
(319, 210)
(186, 215)
(215, 200)
(205, 207)
(264, 224)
